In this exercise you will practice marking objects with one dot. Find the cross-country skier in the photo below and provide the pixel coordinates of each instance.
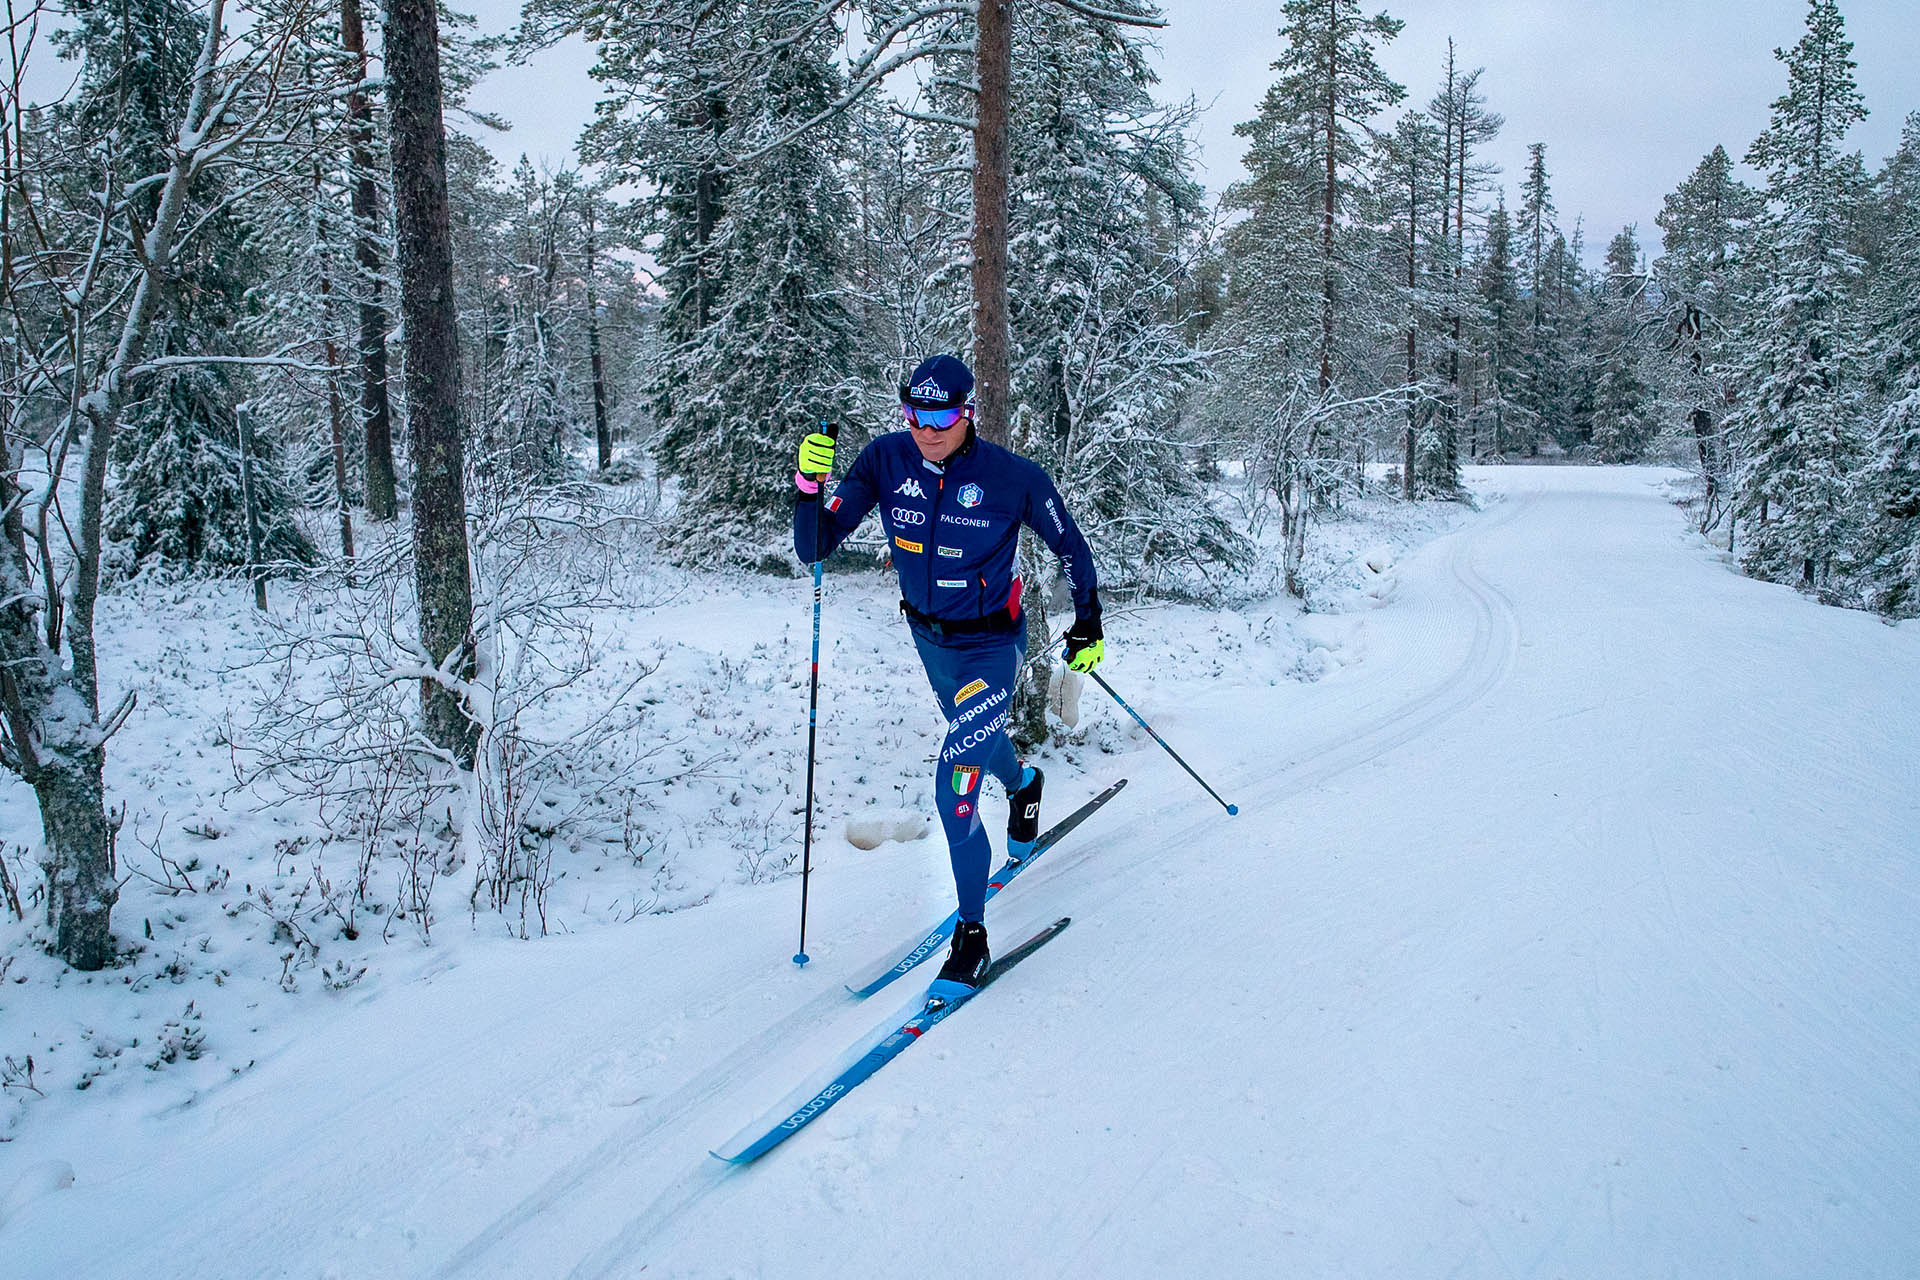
(952, 505)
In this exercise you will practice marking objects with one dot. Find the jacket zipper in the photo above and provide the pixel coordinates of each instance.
(932, 553)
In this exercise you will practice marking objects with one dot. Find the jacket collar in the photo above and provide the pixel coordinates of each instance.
(966, 450)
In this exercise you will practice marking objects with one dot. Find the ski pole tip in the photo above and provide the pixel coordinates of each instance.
(1233, 810)
(801, 957)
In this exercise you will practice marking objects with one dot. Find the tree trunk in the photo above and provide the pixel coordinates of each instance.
(602, 433)
(336, 426)
(425, 243)
(992, 341)
(1326, 220)
(1459, 267)
(1413, 353)
(376, 411)
(256, 556)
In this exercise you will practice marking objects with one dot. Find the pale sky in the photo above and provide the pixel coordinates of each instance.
(1627, 95)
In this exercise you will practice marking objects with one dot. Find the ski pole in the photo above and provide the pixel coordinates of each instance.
(1232, 809)
(831, 430)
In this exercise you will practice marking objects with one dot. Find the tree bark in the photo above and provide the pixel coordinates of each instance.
(336, 427)
(436, 450)
(1413, 368)
(376, 411)
(256, 556)
(1326, 218)
(602, 433)
(992, 339)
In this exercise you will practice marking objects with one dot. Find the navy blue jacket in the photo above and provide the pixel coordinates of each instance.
(954, 526)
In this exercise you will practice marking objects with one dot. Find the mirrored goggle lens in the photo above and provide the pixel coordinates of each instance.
(931, 419)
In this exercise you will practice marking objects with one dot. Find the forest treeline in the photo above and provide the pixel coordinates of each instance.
(223, 348)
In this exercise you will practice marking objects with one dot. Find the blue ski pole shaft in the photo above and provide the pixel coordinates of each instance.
(831, 430)
(1231, 808)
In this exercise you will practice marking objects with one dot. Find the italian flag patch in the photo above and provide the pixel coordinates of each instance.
(965, 776)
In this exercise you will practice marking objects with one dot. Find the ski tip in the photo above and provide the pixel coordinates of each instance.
(733, 1160)
(1232, 810)
(801, 957)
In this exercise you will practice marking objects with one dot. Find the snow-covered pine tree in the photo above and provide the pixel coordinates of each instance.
(1575, 341)
(764, 336)
(1414, 190)
(1466, 125)
(1307, 255)
(1623, 421)
(1542, 386)
(1893, 550)
(1797, 419)
(1106, 218)
(525, 436)
(1500, 413)
(176, 458)
(906, 179)
(1706, 226)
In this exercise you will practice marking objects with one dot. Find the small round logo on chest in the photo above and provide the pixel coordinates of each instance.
(970, 495)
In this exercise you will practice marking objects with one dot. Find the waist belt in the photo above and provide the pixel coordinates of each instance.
(1004, 621)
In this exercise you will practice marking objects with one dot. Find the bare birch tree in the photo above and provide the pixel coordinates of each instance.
(75, 271)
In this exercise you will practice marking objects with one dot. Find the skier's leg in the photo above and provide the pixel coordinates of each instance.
(975, 681)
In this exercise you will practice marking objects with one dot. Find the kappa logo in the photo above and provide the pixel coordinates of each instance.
(929, 390)
(971, 495)
(911, 488)
(967, 691)
(965, 778)
(907, 515)
(914, 547)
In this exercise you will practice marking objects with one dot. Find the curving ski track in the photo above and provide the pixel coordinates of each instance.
(1490, 646)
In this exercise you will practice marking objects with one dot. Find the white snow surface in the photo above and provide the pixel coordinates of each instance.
(1567, 929)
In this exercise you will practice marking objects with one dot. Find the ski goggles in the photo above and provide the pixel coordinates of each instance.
(931, 419)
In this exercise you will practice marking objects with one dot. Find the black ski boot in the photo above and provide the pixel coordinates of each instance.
(1023, 815)
(968, 960)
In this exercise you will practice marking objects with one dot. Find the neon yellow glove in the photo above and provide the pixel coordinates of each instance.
(816, 454)
(1086, 644)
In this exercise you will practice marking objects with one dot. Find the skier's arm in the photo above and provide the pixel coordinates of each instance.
(818, 529)
(1047, 515)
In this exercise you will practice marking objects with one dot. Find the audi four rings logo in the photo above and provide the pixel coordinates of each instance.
(907, 515)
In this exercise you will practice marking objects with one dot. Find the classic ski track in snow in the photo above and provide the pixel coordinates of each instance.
(1490, 646)
(1566, 929)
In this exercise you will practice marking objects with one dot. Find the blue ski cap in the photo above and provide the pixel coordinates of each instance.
(938, 382)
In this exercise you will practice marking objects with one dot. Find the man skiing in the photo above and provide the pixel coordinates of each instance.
(952, 505)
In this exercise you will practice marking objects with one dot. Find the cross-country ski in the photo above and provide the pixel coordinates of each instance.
(943, 998)
(934, 939)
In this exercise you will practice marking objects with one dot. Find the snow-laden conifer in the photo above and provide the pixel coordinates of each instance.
(1706, 227)
(1797, 421)
(1894, 317)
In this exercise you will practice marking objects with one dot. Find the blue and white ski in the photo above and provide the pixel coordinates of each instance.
(873, 980)
(941, 1001)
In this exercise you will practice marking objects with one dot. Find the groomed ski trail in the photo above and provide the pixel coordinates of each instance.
(1101, 863)
(1568, 932)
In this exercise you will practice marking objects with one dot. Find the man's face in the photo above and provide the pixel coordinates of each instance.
(936, 442)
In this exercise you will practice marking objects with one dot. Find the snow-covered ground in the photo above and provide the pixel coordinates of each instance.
(1566, 929)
